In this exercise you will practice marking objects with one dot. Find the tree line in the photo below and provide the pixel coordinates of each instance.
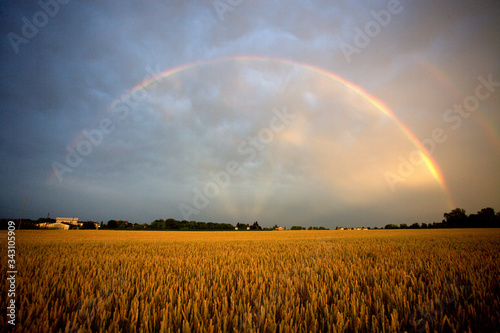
(298, 227)
(457, 218)
(169, 224)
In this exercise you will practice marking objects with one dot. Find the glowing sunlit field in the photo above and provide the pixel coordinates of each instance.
(288, 281)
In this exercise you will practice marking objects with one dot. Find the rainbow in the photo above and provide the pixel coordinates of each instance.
(429, 161)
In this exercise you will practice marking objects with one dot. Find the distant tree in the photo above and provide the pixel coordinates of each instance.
(487, 213)
(172, 224)
(403, 226)
(487, 217)
(112, 224)
(424, 226)
(88, 225)
(414, 226)
(226, 226)
(391, 226)
(297, 227)
(157, 224)
(255, 226)
(438, 225)
(455, 218)
(123, 224)
(242, 226)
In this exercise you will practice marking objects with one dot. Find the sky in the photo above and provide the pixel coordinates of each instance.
(311, 113)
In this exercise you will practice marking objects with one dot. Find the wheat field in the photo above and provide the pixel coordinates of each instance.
(288, 281)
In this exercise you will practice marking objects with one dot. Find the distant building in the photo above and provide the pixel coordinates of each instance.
(66, 223)
(68, 220)
(56, 225)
